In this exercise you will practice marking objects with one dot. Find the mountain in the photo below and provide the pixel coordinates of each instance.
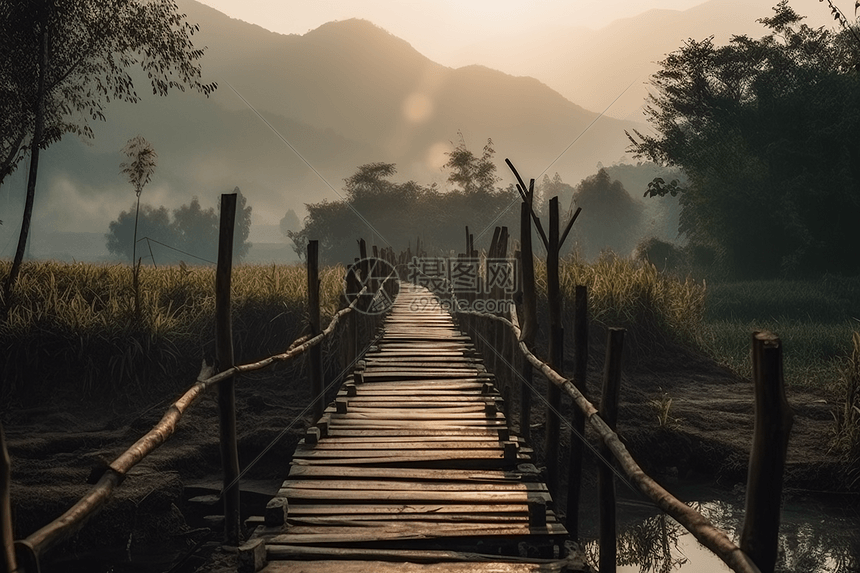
(593, 67)
(344, 94)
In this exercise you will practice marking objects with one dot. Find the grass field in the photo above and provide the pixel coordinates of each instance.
(74, 323)
(73, 327)
(814, 318)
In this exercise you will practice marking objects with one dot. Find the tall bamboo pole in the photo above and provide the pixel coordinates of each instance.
(315, 354)
(556, 347)
(529, 308)
(574, 471)
(609, 414)
(224, 361)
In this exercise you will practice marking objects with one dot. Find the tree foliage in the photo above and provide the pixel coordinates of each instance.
(766, 132)
(191, 236)
(63, 60)
(471, 173)
(610, 218)
(91, 47)
(399, 214)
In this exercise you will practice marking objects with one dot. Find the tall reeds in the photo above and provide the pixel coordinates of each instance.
(73, 326)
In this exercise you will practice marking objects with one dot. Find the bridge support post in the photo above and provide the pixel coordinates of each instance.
(224, 359)
(605, 479)
(315, 353)
(556, 347)
(580, 371)
(773, 421)
(529, 318)
(8, 563)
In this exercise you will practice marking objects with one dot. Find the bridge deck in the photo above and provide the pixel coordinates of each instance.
(415, 468)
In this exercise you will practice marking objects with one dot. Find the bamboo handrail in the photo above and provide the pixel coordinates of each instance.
(702, 529)
(85, 508)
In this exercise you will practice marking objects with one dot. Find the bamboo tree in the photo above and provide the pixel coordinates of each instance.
(138, 170)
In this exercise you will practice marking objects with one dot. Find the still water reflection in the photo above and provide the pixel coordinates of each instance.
(817, 535)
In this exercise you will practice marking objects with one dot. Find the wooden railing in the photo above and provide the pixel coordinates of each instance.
(757, 552)
(24, 555)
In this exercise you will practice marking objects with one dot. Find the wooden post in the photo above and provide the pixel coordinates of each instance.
(529, 308)
(773, 421)
(352, 285)
(556, 347)
(580, 371)
(224, 361)
(492, 332)
(8, 564)
(605, 483)
(315, 353)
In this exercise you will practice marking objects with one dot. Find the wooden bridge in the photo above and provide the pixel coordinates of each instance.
(414, 462)
(414, 466)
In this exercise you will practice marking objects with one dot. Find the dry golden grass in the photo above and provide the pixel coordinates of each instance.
(655, 308)
(73, 325)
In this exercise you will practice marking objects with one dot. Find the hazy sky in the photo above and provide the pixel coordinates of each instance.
(437, 28)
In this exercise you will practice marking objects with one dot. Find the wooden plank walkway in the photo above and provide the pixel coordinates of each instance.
(415, 468)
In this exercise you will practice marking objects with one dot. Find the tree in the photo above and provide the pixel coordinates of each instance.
(766, 132)
(70, 57)
(472, 174)
(195, 230)
(139, 171)
(610, 219)
(154, 224)
(192, 235)
(398, 214)
(289, 222)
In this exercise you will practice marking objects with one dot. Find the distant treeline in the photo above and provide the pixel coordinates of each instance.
(399, 214)
(191, 236)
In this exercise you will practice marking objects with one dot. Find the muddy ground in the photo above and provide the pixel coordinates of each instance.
(151, 526)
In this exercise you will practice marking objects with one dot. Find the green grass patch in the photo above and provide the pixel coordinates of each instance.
(814, 319)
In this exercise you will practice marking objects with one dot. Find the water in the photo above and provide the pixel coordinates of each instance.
(818, 533)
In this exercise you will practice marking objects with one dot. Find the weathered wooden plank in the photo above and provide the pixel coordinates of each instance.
(348, 564)
(407, 509)
(369, 408)
(451, 461)
(342, 423)
(452, 454)
(404, 473)
(295, 495)
(403, 446)
(410, 431)
(392, 485)
(407, 387)
(429, 399)
(372, 520)
(412, 532)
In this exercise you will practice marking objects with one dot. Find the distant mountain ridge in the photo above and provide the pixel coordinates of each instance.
(344, 94)
(349, 93)
(593, 67)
